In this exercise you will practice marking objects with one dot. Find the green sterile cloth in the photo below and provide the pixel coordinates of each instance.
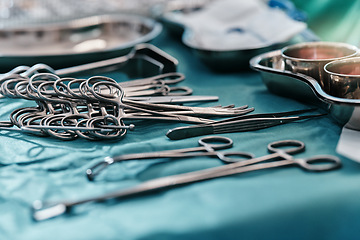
(333, 20)
(284, 203)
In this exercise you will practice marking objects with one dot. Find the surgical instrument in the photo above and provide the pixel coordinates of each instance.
(280, 152)
(207, 147)
(174, 99)
(249, 122)
(67, 106)
(14, 86)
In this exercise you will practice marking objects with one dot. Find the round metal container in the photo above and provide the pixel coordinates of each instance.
(310, 58)
(344, 77)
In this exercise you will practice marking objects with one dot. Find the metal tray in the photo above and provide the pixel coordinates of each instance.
(301, 87)
(63, 44)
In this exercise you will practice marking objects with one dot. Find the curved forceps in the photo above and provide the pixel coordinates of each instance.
(207, 147)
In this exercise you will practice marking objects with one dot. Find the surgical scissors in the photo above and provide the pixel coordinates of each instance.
(280, 152)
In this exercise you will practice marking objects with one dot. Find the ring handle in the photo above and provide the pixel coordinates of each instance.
(60, 87)
(21, 89)
(287, 146)
(50, 96)
(168, 78)
(320, 163)
(118, 132)
(215, 142)
(39, 78)
(179, 91)
(233, 157)
(105, 97)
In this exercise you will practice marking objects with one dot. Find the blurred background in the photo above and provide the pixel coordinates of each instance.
(331, 20)
(32, 29)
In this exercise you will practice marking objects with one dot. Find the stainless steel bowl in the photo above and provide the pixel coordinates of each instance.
(344, 77)
(309, 58)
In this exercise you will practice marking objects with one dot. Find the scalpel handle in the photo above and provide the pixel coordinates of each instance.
(189, 131)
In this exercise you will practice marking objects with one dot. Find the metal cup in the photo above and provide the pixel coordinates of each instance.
(344, 78)
(310, 58)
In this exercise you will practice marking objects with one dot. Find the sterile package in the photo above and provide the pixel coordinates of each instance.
(237, 24)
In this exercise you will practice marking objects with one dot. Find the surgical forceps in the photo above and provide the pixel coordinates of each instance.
(58, 102)
(155, 89)
(280, 152)
(14, 86)
(249, 122)
(156, 85)
(207, 147)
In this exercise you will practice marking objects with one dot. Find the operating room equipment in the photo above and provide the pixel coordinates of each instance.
(280, 153)
(157, 67)
(144, 60)
(309, 58)
(67, 106)
(302, 87)
(244, 29)
(344, 77)
(74, 41)
(245, 123)
(215, 143)
(174, 99)
(13, 86)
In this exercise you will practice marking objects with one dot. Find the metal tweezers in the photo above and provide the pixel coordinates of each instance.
(245, 123)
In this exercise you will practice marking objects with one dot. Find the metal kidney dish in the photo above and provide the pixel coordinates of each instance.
(336, 98)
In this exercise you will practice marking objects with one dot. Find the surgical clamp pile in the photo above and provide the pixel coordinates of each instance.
(280, 154)
(92, 108)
